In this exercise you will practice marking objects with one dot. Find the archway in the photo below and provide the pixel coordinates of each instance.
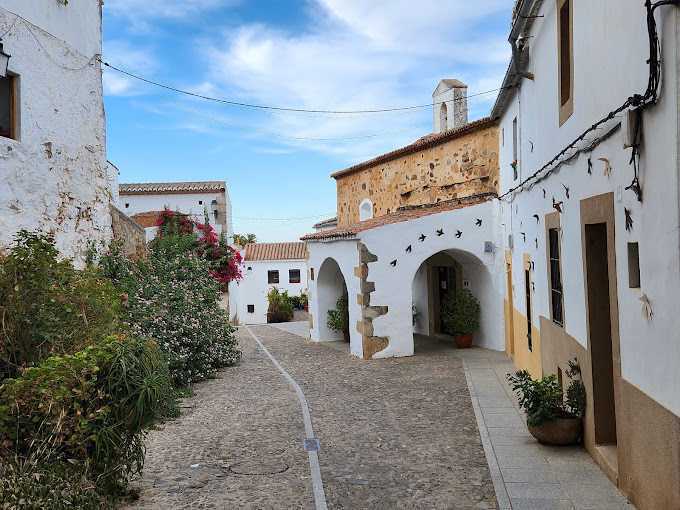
(365, 209)
(330, 285)
(443, 118)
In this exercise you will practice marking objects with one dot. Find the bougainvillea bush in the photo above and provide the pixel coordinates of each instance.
(201, 238)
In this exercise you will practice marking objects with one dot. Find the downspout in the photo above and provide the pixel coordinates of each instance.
(520, 23)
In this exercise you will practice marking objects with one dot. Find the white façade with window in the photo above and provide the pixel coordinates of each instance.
(52, 128)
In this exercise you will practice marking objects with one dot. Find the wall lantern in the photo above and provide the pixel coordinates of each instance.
(249, 270)
(213, 208)
(4, 60)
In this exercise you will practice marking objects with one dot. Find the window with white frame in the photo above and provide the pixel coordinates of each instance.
(273, 276)
(293, 276)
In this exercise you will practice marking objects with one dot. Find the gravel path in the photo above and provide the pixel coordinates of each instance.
(395, 434)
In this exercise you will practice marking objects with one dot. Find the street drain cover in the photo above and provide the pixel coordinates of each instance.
(258, 467)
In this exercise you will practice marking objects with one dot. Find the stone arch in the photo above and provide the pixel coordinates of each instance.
(366, 209)
(330, 285)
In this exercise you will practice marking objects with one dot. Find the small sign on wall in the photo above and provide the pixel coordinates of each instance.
(488, 247)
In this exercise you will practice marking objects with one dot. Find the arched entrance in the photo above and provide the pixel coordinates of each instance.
(329, 287)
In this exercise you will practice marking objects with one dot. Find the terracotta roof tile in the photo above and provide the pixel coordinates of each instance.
(325, 223)
(146, 219)
(171, 188)
(422, 143)
(402, 214)
(275, 251)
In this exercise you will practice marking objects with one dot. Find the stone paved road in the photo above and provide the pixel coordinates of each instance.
(395, 434)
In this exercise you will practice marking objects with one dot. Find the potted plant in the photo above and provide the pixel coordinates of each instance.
(338, 319)
(460, 315)
(303, 300)
(551, 418)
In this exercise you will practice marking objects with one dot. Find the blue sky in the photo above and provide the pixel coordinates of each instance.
(342, 55)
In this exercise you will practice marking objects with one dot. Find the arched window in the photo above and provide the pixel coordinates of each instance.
(366, 209)
(443, 118)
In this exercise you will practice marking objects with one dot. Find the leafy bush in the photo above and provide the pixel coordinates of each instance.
(91, 408)
(338, 319)
(543, 399)
(280, 306)
(172, 298)
(38, 485)
(46, 306)
(460, 312)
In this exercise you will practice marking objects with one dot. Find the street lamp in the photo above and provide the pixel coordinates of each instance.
(213, 208)
(4, 60)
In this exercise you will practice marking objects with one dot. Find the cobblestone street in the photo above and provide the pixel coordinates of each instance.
(394, 433)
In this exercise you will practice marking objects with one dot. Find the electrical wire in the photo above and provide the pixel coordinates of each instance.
(139, 76)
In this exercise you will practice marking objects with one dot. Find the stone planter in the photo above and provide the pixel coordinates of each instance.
(463, 341)
(561, 432)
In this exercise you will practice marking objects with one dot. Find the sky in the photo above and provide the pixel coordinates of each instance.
(323, 55)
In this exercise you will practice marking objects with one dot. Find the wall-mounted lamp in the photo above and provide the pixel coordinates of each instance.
(4, 60)
(213, 208)
(249, 270)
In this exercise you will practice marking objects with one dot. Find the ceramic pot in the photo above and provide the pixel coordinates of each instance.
(463, 341)
(561, 432)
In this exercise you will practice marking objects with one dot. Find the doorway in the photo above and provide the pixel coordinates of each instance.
(600, 332)
(446, 283)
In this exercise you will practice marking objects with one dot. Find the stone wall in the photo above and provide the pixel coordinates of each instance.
(131, 233)
(458, 166)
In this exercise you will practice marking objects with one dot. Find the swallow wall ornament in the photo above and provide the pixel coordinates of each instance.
(557, 205)
(440, 232)
(422, 237)
(566, 189)
(393, 263)
(629, 219)
(478, 222)
(607, 166)
(524, 236)
(458, 233)
(590, 166)
(538, 220)
(408, 249)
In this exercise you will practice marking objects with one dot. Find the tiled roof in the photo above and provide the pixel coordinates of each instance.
(146, 219)
(275, 251)
(325, 223)
(454, 83)
(422, 143)
(171, 188)
(402, 214)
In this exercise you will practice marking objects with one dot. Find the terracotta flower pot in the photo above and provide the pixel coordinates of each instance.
(561, 432)
(463, 341)
(345, 334)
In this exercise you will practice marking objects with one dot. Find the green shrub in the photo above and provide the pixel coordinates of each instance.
(280, 306)
(460, 312)
(48, 308)
(91, 407)
(54, 486)
(338, 319)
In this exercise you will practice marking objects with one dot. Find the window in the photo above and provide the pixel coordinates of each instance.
(7, 107)
(565, 58)
(633, 265)
(514, 148)
(293, 276)
(251, 308)
(272, 276)
(555, 277)
(311, 273)
(127, 206)
(503, 137)
(366, 209)
(527, 290)
(200, 202)
(443, 118)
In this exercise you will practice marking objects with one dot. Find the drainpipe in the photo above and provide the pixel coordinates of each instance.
(520, 23)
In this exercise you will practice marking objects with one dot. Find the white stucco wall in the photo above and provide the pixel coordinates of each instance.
(254, 287)
(55, 174)
(187, 203)
(609, 67)
(344, 252)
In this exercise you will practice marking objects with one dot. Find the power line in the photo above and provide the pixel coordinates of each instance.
(138, 76)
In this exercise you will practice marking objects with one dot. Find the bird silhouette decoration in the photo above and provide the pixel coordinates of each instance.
(536, 243)
(566, 189)
(543, 192)
(478, 222)
(629, 219)
(440, 232)
(607, 166)
(557, 205)
(532, 265)
(636, 188)
(422, 237)
(393, 263)
(590, 166)
(538, 220)
(408, 249)
(524, 236)
(458, 234)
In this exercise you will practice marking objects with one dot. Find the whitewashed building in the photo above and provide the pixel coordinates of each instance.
(412, 225)
(267, 265)
(53, 168)
(589, 207)
(203, 199)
